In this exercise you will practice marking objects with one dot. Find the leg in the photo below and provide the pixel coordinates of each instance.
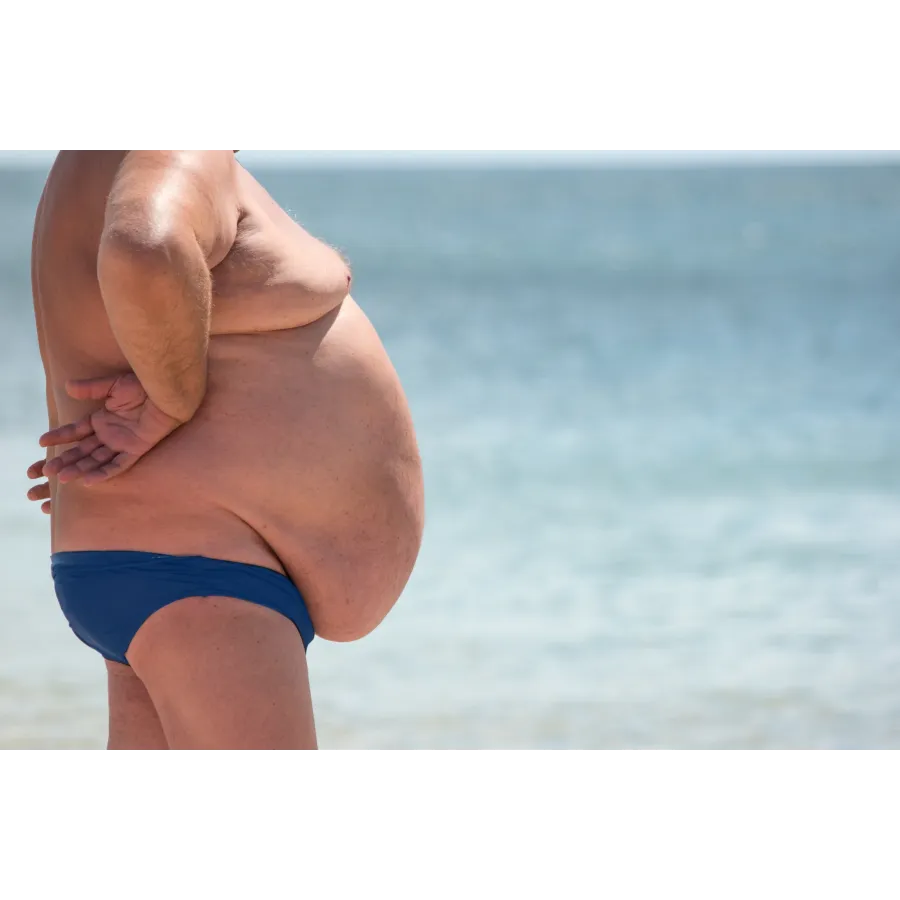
(225, 674)
(133, 722)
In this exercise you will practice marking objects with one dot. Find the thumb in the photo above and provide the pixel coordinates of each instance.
(91, 388)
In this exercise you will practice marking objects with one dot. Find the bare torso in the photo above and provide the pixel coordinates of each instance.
(302, 457)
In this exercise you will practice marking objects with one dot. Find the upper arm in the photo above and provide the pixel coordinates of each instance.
(159, 196)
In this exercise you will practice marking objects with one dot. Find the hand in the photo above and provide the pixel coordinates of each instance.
(39, 491)
(111, 439)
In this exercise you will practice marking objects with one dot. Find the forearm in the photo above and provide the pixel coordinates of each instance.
(157, 294)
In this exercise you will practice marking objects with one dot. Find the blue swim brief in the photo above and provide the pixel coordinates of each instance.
(107, 595)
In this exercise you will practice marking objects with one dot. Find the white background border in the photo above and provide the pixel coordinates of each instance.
(762, 79)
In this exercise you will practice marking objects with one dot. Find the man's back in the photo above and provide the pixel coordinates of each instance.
(302, 457)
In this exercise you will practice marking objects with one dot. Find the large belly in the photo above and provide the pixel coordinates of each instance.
(303, 451)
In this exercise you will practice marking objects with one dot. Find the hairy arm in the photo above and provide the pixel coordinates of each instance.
(171, 216)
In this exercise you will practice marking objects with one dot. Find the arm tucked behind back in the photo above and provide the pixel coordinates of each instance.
(171, 216)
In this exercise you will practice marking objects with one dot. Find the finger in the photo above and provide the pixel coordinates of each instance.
(53, 466)
(89, 445)
(57, 464)
(45, 508)
(71, 457)
(103, 454)
(99, 454)
(91, 388)
(121, 463)
(67, 434)
(78, 469)
(39, 491)
(89, 464)
(36, 469)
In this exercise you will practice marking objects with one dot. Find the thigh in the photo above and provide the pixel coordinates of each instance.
(225, 674)
(133, 722)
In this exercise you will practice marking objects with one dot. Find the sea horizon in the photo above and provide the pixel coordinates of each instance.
(392, 159)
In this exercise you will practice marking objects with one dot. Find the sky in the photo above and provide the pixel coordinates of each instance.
(250, 156)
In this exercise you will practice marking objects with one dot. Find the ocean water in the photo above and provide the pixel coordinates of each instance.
(659, 413)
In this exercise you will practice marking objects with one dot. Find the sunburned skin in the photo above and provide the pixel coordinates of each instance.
(302, 456)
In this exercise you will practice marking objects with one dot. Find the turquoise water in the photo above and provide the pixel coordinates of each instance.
(660, 418)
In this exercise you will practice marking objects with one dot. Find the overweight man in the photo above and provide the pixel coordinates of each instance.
(232, 464)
